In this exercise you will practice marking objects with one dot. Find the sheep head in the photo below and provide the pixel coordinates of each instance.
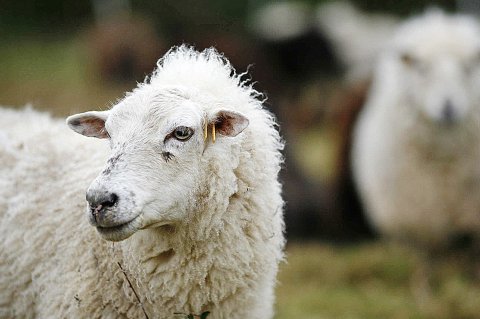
(158, 141)
(436, 62)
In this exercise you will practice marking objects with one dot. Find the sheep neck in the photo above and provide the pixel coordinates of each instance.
(180, 251)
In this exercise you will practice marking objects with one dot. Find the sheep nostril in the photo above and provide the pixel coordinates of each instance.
(110, 201)
(100, 201)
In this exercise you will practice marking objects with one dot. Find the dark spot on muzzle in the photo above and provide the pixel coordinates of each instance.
(114, 159)
(111, 163)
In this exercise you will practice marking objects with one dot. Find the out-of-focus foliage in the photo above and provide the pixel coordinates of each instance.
(403, 7)
(56, 16)
(42, 17)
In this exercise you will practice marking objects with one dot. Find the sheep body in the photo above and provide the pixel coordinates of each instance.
(416, 155)
(222, 259)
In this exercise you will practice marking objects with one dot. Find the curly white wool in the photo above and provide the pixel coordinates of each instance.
(223, 257)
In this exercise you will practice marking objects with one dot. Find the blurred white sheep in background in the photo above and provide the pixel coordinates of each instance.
(416, 147)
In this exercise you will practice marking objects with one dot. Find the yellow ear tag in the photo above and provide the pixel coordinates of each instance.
(213, 132)
(205, 131)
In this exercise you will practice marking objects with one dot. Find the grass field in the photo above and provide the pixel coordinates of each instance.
(369, 280)
(318, 280)
(57, 76)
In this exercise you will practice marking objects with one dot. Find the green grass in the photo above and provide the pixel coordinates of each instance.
(55, 75)
(368, 281)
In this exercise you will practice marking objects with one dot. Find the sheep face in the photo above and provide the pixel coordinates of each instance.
(437, 61)
(157, 144)
(442, 88)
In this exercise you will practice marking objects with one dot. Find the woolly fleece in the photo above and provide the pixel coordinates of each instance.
(222, 259)
(419, 176)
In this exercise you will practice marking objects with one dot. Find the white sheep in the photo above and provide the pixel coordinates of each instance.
(190, 192)
(416, 149)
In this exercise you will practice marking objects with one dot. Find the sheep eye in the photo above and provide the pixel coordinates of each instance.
(182, 133)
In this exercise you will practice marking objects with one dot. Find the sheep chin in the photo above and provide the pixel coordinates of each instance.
(120, 232)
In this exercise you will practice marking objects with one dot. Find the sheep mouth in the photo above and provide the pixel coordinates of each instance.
(119, 232)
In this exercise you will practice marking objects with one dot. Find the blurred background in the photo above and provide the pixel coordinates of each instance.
(66, 56)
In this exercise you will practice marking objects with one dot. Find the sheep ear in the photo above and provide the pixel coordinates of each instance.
(229, 123)
(90, 124)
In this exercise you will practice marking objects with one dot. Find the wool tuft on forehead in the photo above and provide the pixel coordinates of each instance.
(207, 71)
